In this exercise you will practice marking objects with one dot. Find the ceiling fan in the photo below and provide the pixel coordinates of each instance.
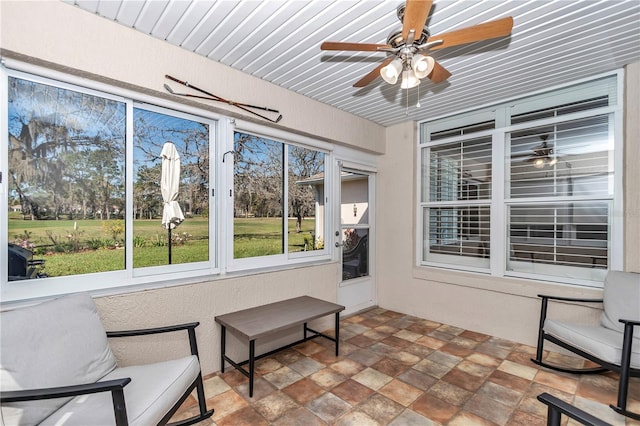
(541, 155)
(408, 48)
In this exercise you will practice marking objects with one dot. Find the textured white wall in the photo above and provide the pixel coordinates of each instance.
(504, 307)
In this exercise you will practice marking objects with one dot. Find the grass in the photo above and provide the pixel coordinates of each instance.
(252, 237)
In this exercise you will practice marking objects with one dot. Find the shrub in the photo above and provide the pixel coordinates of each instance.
(139, 241)
(113, 228)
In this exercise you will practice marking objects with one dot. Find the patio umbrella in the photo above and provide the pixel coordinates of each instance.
(169, 184)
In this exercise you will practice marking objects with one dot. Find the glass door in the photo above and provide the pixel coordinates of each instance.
(354, 225)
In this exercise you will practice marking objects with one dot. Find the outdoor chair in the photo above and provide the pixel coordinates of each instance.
(56, 368)
(611, 344)
(557, 407)
(355, 260)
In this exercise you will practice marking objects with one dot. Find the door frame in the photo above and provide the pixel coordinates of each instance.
(359, 293)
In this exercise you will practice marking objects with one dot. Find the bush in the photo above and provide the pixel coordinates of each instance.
(139, 241)
(113, 228)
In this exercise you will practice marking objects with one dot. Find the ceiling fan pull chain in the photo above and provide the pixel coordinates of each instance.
(406, 108)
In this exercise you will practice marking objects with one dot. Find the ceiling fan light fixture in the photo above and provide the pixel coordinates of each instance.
(409, 79)
(391, 72)
(538, 163)
(422, 65)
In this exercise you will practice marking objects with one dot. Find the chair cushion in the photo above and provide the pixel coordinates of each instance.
(154, 389)
(621, 299)
(57, 343)
(601, 342)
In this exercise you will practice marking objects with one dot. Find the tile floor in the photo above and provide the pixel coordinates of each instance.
(396, 369)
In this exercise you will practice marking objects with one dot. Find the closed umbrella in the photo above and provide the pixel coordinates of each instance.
(169, 185)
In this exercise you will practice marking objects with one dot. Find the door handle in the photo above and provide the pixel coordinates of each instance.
(339, 244)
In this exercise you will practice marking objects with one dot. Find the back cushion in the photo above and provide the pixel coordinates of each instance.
(56, 343)
(621, 299)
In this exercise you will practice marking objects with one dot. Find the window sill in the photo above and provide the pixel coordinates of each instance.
(505, 285)
(160, 284)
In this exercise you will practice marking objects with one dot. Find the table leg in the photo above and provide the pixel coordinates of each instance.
(252, 355)
(223, 346)
(337, 332)
(305, 331)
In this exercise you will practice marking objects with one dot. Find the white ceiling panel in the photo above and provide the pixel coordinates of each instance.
(129, 12)
(552, 43)
(171, 15)
(149, 15)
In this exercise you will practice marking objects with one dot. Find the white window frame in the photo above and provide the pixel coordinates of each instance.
(578, 90)
(220, 183)
(283, 259)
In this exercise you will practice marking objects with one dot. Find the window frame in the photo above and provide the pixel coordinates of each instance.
(220, 176)
(499, 228)
(286, 258)
(475, 264)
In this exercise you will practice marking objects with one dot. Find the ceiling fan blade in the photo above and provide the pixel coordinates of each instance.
(439, 73)
(488, 30)
(372, 75)
(365, 47)
(415, 16)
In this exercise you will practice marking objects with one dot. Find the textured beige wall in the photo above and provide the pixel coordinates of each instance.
(504, 307)
(76, 41)
(632, 170)
(202, 302)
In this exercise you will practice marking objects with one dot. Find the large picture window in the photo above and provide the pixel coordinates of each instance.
(530, 195)
(110, 188)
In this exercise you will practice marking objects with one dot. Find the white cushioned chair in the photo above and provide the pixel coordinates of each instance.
(56, 368)
(610, 344)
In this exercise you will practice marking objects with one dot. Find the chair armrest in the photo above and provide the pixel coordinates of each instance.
(570, 299)
(156, 330)
(629, 322)
(190, 327)
(64, 391)
(558, 407)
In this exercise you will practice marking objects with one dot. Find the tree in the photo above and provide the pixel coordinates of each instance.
(54, 133)
(303, 163)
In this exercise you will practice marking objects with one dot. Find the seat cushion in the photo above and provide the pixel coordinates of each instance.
(621, 299)
(57, 343)
(601, 342)
(154, 389)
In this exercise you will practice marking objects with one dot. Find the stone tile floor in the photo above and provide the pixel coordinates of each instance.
(396, 369)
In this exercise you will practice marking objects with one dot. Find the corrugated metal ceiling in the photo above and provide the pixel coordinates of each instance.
(552, 42)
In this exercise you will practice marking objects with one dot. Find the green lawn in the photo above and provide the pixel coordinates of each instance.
(252, 237)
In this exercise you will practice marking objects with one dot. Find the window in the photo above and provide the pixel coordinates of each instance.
(83, 171)
(456, 208)
(66, 180)
(188, 240)
(273, 215)
(553, 169)
(546, 210)
(70, 210)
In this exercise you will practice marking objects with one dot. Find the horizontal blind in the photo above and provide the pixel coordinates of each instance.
(566, 233)
(460, 170)
(461, 231)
